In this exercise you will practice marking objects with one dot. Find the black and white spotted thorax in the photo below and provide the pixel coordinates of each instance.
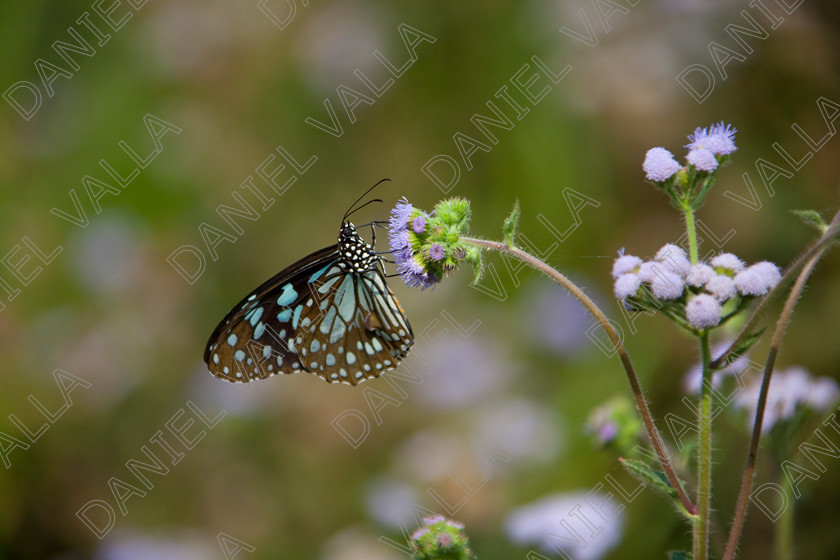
(354, 252)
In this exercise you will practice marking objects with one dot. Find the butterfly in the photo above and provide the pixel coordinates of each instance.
(330, 313)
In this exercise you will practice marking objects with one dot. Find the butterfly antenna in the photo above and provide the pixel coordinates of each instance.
(352, 206)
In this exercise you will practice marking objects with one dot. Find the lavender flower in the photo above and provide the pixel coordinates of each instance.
(722, 287)
(702, 159)
(758, 279)
(703, 311)
(648, 270)
(539, 523)
(414, 275)
(625, 264)
(436, 251)
(627, 285)
(728, 263)
(789, 390)
(674, 259)
(699, 274)
(667, 285)
(400, 215)
(660, 164)
(418, 224)
(717, 139)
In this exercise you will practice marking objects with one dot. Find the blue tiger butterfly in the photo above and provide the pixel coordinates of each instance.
(330, 313)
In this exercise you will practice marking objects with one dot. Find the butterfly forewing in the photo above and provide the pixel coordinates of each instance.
(331, 314)
(237, 349)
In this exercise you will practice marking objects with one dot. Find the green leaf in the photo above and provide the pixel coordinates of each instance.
(511, 225)
(812, 218)
(648, 475)
(743, 346)
(679, 555)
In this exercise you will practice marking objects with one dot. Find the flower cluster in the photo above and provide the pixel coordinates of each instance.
(697, 292)
(790, 391)
(440, 539)
(707, 148)
(428, 246)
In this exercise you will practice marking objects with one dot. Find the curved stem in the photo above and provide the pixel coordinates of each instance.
(704, 457)
(605, 324)
(749, 469)
(815, 249)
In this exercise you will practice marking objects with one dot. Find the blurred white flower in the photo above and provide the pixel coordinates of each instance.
(694, 377)
(106, 255)
(521, 430)
(463, 371)
(539, 523)
(129, 544)
(391, 502)
(557, 320)
(789, 389)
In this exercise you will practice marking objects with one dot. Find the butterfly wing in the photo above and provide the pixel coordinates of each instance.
(253, 340)
(355, 329)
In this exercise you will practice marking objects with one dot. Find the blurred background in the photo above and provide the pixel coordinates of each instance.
(196, 104)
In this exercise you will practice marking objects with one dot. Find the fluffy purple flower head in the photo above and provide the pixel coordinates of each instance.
(414, 275)
(703, 311)
(400, 214)
(660, 164)
(418, 224)
(436, 251)
(400, 245)
(722, 287)
(626, 285)
(727, 262)
(758, 279)
(699, 274)
(702, 159)
(624, 265)
(419, 532)
(673, 259)
(719, 139)
(667, 285)
(648, 270)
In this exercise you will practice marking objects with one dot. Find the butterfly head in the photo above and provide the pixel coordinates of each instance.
(354, 251)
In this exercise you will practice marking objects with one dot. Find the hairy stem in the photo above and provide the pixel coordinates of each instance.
(604, 322)
(691, 230)
(704, 457)
(752, 455)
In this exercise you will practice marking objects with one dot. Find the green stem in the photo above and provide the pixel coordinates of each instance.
(704, 458)
(691, 230)
(604, 322)
(784, 528)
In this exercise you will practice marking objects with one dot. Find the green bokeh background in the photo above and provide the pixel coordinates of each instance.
(273, 473)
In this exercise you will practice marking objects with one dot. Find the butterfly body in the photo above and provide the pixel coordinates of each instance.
(331, 314)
